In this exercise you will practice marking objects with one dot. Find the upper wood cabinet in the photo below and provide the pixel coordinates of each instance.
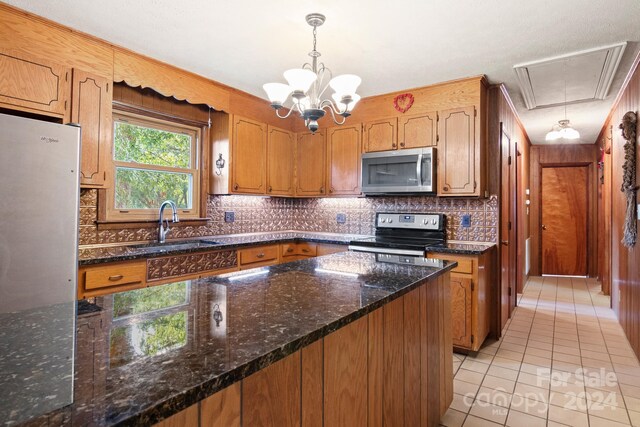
(311, 157)
(380, 135)
(280, 156)
(343, 160)
(458, 162)
(420, 130)
(248, 156)
(35, 86)
(91, 100)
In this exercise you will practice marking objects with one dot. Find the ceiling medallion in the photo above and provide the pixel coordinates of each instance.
(308, 84)
(403, 102)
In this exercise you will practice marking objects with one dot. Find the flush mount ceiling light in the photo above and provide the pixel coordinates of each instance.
(308, 84)
(563, 130)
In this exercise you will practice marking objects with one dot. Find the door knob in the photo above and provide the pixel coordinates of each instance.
(544, 227)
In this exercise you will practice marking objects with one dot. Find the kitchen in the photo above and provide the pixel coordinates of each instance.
(435, 189)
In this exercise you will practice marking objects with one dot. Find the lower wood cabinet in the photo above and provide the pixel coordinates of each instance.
(471, 283)
(391, 367)
(258, 256)
(109, 278)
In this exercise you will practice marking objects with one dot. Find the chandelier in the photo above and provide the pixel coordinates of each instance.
(308, 84)
(563, 130)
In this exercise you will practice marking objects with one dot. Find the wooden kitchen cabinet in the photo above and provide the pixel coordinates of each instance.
(458, 153)
(297, 250)
(280, 156)
(311, 157)
(470, 298)
(380, 135)
(417, 131)
(248, 156)
(258, 256)
(110, 278)
(343, 160)
(91, 101)
(35, 86)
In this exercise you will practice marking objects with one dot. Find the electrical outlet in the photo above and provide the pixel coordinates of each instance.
(466, 220)
(341, 218)
(229, 216)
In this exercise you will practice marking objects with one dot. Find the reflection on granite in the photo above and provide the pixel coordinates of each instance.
(462, 248)
(164, 358)
(101, 254)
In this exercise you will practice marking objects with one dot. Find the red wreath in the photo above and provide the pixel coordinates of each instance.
(403, 102)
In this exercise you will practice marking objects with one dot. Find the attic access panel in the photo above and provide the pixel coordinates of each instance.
(588, 73)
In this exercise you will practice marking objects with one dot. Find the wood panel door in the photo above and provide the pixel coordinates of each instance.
(343, 160)
(280, 151)
(564, 220)
(456, 152)
(461, 315)
(420, 130)
(380, 135)
(311, 160)
(33, 85)
(248, 158)
(91, 101)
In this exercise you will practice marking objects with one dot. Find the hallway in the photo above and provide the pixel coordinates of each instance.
(563, 360)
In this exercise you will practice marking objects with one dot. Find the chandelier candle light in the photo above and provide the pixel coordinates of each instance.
(308, 84)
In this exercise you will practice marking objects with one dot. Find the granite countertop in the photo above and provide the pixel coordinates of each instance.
(152, 352)
(110, 253)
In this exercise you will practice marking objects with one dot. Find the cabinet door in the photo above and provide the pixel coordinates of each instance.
(420, 130)
(311, 155)
(461, 310)
(248, 158)
(91, 100)
(343, 160)
(456, 152)
(280, 147)
(30, 84)
(380, 135)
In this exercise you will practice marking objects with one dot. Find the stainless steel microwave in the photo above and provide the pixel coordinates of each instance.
(399, 171)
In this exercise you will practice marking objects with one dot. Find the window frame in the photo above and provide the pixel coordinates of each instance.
(133, 215)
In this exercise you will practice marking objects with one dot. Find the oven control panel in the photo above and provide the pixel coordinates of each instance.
(416, 221)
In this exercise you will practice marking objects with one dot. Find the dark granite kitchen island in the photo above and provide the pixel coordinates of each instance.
(316, 340)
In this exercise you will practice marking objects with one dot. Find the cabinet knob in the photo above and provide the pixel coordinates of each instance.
(445, 188)
(394, 145)
(402, 144)
(544, 227)
(235, 187)
(290, 250)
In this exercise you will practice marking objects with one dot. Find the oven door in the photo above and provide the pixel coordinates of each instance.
(399, 171)
(393, 251)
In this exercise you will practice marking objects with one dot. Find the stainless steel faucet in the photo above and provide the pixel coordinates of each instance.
(163, 230)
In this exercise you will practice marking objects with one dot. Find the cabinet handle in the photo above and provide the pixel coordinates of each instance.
(115, 278)
(270, 189)
(305, 250)
(322, 189)
(505, 242)
(235, 187)
(290, 250)
(445, 188)
(260, 256)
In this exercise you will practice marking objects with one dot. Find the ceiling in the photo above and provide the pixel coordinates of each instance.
(245, 43)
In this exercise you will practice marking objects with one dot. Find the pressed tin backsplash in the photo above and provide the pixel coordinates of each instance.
(260, 214)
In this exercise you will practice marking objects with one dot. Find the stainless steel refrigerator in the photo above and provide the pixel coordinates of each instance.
(39, 192)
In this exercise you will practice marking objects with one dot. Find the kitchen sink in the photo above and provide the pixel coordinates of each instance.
(173, 246)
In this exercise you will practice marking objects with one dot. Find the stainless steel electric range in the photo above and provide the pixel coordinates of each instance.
(404, 237)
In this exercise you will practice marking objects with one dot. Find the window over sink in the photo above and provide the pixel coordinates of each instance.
(154, 160)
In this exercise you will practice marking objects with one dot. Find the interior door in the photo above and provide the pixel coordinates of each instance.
(564, 220)
(506, 272)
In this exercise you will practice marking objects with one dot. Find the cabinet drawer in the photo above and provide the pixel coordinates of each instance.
(115, 275)
(299, 249)
(465, 265)
(258, 254)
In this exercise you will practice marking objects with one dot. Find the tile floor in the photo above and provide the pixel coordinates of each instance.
(563, 359)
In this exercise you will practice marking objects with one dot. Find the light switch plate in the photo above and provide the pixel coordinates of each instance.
(229, 216)
(341, 218)
(466, 220)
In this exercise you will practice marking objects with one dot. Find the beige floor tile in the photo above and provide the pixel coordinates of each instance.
(631, 403)
(601, 422)
(465, 389)
(497, 414)
(635, 418)
(594, 363)
(574, 350)
(500, 372)
(453, 418)
(561, 357)
(576, 402)
(622, 360)
(598, 348)
(630, 390)
(501, 362)
(481, 357)
(568, 417)
(530, 406)
(461, 403)
(469, 376)
(513, 347)
(473, 421)
(614, 413)
(531, 392)
(539, 352)
(540, 344)
(494, 396)
(534, 380)
(475, 366)
(536, 360)
(520, 419)
(508, 354)
(498, 383)
(535, 370)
